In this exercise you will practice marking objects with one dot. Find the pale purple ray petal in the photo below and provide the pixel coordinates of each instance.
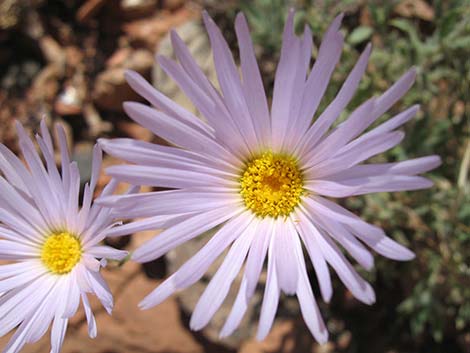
(59, 325)
(225, 127)
(27, 298)
(150, 223)
(341, 235)
(107, 252)
(14, 170)
(359, 119)
(21, 279)
(395, 92)
(317, 82)
(146, 153)
(389, 125)
(17, 225)
(73, 296)
(168, 160)
(100, 288)
(165, 177)
(217, 114)
(308, 305)
(72, 205)
(253, 89)
(17, 268)
(19, 205)
(351, 279)
(172, 130)
(52, 170)
(318, 260)
(253, 267)
(46, 311)
(236, 313)
(373, 236)
(192, 68)
(357, 123)
(257, 254)
(90, 262)
(342, 161)
(390, 183)
(59, 328)
(409, 167)
(219, 286)
(64, 158)
(284, 82)
(20, 337)
(46, 136)
(197, 265)
(382, 104)
(162, 102)
(294, 128)
(46, 199)
(230, 83)
(92, 329)
(270, 297)
(336, 107)
(286, 265)
(172, 202)
(10, 250)
(184, 231)
(15, 235)
(330, 188)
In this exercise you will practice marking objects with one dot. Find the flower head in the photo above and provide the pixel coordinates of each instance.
(50, 243)
(264, 174)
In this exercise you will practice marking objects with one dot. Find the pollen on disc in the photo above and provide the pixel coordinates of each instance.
(61, 252)
(271, 185)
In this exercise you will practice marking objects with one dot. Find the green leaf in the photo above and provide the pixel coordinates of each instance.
(360, 34)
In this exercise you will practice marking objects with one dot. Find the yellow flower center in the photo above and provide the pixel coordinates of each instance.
(271, 185)
(61, 252)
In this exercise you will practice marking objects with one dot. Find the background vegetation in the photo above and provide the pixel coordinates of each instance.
(423, 305)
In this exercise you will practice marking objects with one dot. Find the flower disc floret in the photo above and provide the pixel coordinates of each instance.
(271, 185)
(61, 252)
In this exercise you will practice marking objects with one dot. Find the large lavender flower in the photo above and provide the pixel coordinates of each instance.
(51, 244)
(265, 176)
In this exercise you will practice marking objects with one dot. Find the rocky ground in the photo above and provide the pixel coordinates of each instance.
(64, 61)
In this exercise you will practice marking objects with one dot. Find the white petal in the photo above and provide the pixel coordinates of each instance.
(197, 265)
(308, 305)
(180, 233)
(219, 286)
(270, 298)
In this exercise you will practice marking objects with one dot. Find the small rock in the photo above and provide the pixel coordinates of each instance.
(147, 32)
(173, 4)
(83, 155)
(344, 340)
(46, 83)
(415, 8)
(131, 9)
(328, 347)
(194, 36)
(96, 125)
(89, 9)
(10, 14)
(51, 50)
(135, 131)
(69, 102)
(111, 88)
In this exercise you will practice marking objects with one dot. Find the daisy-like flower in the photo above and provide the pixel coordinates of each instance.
(50, 244)
(263, 175)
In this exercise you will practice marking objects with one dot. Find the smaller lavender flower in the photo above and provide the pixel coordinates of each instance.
(265, 176)
(51, 245)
